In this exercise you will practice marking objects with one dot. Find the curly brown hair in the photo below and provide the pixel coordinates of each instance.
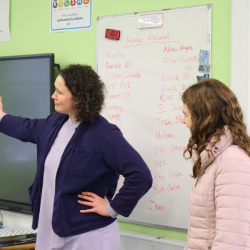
(212, 106)
(87, 89)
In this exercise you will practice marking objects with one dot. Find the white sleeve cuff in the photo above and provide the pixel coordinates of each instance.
(111, 211)
(2, 116)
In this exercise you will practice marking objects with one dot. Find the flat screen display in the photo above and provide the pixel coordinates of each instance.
(26, 85)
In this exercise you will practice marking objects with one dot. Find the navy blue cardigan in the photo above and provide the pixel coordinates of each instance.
(93, 160)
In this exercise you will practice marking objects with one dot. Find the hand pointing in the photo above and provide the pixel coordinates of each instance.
(1, 107)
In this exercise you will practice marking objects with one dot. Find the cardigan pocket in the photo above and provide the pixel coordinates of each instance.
(84, 163)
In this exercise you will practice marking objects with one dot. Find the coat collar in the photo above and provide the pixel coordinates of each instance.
(226, 140)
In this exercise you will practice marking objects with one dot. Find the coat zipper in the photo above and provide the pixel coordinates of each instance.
(210, 246)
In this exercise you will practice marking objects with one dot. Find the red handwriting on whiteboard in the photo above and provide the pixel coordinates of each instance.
(187, 59)
(158, 190)
(127, 95)
(173, 174)
(136, 40)
(159, 176)
(110, 84)
(124, 84)
(186, 76)
(110, 75)
(164, 135)
(114, 55)
(161, 109)
(168, 78)
(178, 119)
(164, 97)
(164, 88)
(160, 163)
(128, 65)
(131, 74)
(189, 67)
(173, 188)
(180, 96)
(159, 150)
(113, 96)
(124, 74)
(174, 148)
(183, 87)
(155, 207)
(155, 37)
(163, 122)
(174, 107)
(113, 107)
(186, 48)
(168, 60)
(115, 117)
(113, 66)
(169, 49)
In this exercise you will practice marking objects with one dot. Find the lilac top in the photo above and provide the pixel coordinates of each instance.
(46, 238)
(2, 117)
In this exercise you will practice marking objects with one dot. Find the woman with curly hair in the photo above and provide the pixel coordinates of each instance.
(80, 156)
(219, 204)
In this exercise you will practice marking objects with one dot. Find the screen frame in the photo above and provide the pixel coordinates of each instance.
(13, 205)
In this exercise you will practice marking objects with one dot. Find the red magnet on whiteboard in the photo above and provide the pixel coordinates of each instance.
(112, 34)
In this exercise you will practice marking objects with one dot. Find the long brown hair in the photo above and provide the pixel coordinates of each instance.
(212, 106)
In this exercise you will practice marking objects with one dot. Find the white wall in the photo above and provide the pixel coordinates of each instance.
(240, 54)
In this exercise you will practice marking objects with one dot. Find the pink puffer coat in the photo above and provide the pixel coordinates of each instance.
(219, 204)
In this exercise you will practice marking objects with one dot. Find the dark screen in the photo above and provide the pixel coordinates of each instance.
(25, 87)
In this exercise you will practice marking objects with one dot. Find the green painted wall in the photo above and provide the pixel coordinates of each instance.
(30, 34)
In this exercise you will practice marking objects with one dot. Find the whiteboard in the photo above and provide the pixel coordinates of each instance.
(145, 73)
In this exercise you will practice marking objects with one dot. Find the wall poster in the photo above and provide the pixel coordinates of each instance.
(70, 15)
(4, 20)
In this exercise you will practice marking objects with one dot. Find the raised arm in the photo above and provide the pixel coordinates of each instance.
(24, 129)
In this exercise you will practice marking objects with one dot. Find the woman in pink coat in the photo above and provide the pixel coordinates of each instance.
(219, 205)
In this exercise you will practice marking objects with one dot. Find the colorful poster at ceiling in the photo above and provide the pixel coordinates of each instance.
(70, 15)
(4, 20)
